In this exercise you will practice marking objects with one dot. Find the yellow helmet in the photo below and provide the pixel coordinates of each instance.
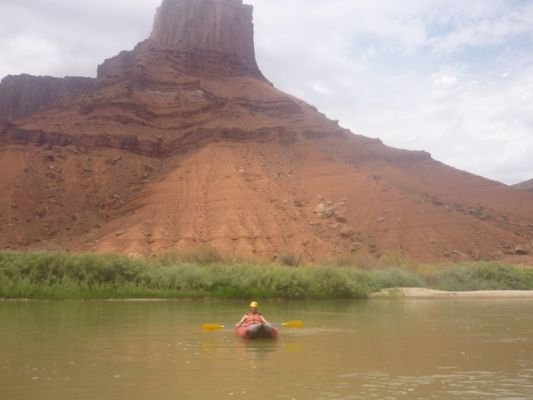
(254, 304)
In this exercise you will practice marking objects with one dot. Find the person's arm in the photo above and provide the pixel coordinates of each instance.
(241, 321)
(263, 319)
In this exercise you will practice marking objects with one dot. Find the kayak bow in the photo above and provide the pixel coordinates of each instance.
(257, 331)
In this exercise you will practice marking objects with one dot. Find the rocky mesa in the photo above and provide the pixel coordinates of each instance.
(24, 95)
(182, 142)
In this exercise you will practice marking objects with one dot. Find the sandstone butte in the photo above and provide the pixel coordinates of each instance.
(183, 142)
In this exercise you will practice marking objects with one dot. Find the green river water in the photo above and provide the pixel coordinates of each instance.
(377, 349)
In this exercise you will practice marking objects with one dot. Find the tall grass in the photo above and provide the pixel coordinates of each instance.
(484, 276)
(207, 274)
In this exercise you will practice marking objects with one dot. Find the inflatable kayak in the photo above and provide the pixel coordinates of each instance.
(257, 331)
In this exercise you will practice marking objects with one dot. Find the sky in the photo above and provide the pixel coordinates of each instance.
(451, 77)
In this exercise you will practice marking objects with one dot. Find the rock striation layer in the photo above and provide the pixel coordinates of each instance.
(181, 142)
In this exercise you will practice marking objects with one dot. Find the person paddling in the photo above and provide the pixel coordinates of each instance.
(252, 317)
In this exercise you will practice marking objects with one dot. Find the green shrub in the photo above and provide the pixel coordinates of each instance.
(485, 276)
(289, 259)
(397, 277)
(60, 275)
(203, 254)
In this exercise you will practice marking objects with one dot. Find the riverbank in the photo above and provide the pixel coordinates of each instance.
(54, 275)
(425, 293)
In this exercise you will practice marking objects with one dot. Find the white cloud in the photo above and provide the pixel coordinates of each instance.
(443, 80)
(64, 37)
(23, 48)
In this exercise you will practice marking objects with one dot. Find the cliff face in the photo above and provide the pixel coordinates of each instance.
(184, 143)
(23, 95)
(201, 37)
(208, 26)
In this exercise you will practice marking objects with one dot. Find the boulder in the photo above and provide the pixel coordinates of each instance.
(521, 251)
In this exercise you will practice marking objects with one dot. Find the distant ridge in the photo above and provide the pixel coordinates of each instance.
(527, 185)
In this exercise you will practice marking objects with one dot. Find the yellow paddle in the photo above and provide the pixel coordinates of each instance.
(291, 324)
(213, 327)
(288, 324)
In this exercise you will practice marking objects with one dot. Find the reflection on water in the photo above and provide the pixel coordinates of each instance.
(400, 349)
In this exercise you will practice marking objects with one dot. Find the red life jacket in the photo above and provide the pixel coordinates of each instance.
(252, 318)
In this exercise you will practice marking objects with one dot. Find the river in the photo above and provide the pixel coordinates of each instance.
(376, 349)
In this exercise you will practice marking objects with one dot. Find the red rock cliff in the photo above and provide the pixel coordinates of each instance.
(213, 37)
(23, 95)
(223, 26)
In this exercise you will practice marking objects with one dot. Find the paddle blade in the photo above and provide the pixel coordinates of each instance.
(293, 324)
(212, 327)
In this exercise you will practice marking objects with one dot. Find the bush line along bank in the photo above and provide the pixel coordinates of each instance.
(53, 275)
